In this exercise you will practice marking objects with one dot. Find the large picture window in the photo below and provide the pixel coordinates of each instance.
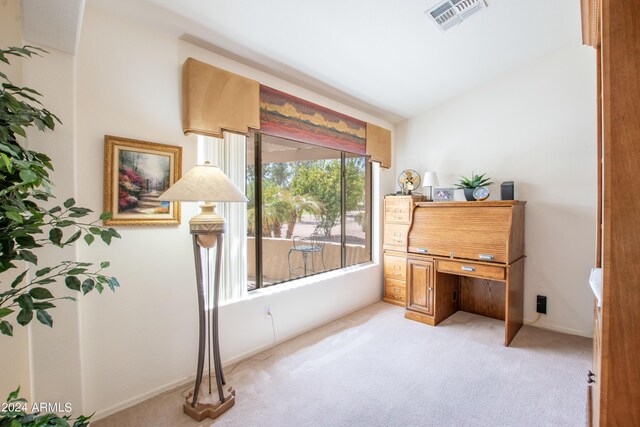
(308, 212)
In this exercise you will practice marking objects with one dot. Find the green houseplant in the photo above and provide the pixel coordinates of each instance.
(27, 225)
(470, 184)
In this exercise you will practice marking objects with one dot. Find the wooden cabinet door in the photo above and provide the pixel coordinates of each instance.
(420, 286)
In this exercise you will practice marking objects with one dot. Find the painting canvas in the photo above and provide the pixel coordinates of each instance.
(136, 174)
(293, 118)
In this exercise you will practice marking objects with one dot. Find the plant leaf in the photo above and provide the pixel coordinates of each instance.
(5, 312)
(25, 316)
(104, 264)
(25, 301)
(106, 236)
(19, 279)
(44, 318)
(81, 211)
(42, 305)
(106, 215)
(14, 394)
(29, 256)
(28, 176)
(14, 216)
(87, 286)
(55, 235)
(27, 241)
(112, 282)
(75, 236)
(89, 238)
(69, 202)
(72, 282)
(40, 293)
(7, 329)
(43, 271)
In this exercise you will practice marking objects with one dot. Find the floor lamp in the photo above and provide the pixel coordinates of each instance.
(207, 183)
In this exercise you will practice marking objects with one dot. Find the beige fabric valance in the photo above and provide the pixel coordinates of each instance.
(215, 100)
(379, 145)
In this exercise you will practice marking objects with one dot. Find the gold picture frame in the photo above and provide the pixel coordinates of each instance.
(135, 173)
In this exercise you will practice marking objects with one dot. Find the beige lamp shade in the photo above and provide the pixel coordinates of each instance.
(204, 183)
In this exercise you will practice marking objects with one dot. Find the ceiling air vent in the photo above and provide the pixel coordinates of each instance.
(448, 13)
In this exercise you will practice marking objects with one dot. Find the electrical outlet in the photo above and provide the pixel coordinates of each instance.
(541, 304)
(267, 311)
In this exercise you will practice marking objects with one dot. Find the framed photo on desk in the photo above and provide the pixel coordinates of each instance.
(444, 194)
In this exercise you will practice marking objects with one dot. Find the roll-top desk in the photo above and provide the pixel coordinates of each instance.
(459, 256)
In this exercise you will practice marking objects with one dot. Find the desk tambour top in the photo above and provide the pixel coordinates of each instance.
(489, 231)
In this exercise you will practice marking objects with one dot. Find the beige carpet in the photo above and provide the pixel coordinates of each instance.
(374, 368)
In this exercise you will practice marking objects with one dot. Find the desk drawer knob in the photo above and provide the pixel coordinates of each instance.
(422, 250)
(485, 257)
(465, 268)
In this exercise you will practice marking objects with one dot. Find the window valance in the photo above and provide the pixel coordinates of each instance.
(215, 100)
(379, 145)
(286, 116)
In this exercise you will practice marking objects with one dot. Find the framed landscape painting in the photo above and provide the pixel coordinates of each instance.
(136, 173)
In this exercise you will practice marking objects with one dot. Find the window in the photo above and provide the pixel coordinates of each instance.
(308, 211)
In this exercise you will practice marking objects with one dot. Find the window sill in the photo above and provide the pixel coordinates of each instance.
(301, 282)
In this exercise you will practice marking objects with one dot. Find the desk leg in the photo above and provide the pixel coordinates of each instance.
(515, 296)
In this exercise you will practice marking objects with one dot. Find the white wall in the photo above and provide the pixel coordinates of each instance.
(143, 338)
(55, 352)
(535, 126)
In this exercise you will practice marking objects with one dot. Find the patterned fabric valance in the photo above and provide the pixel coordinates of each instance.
(286, 116)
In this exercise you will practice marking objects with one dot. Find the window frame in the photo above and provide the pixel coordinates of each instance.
(257, 149)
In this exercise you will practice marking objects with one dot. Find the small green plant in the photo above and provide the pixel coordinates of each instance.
(15, 413)
(475, 181)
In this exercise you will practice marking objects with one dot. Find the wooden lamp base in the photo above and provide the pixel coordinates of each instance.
(207, 407)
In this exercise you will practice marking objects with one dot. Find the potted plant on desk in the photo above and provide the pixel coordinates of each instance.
(470, 184)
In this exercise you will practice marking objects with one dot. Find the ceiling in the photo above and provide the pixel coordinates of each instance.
(381, 56)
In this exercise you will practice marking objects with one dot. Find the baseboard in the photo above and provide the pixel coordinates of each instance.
(552, 328)
(184, 382)
(142, 397)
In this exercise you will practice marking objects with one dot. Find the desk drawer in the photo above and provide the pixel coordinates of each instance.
(397, 211)
(395, 236)
(395, 267)
(395, 291)
(470, 269)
